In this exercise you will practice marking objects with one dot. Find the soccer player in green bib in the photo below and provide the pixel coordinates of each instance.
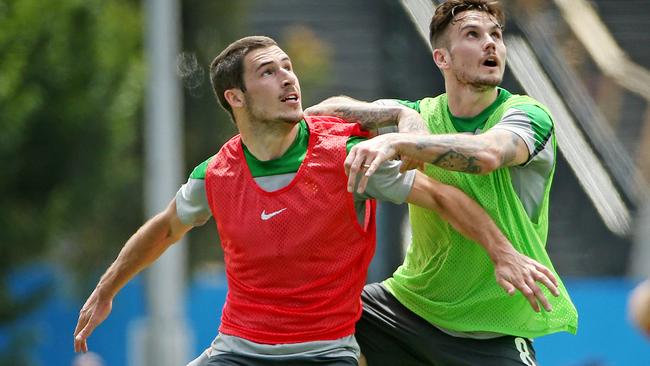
(442, 305)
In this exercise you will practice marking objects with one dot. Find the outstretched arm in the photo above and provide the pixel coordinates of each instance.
(143, 248)
(513, 270)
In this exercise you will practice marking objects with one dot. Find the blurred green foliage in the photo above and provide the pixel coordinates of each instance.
(71, 91)
(72, 85)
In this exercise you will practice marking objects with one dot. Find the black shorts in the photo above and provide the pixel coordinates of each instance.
(239, 360)
(391, 335)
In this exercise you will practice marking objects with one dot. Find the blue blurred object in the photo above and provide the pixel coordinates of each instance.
(605, 336)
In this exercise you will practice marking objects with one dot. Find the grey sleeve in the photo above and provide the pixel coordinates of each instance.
(388, 184)
(519, 123)
(192, 203)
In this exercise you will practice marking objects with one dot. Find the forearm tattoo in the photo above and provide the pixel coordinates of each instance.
(453, 154)
(453, 160)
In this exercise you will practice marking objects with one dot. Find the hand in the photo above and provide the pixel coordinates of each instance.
(368, 156)
(93, 313)
(515, 271)
(639, 306)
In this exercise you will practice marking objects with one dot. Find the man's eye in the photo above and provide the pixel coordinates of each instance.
(472, 34)
(266, 72)
(496, 35)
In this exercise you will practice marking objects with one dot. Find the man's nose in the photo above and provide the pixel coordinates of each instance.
(288, 78)
(490, 43)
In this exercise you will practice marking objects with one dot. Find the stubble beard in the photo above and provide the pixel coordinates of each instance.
(478, 82)
(260, 116)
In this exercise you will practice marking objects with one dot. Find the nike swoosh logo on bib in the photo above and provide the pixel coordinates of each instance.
(265, 216)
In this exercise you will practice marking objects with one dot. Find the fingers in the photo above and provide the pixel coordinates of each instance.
(547, 278)
(80, 344)
(359, 166)
(362, 183)
(353, 166)
(526, 279)
(80, 336)
(529, 294)
(539, 295)
(507, 286)
(79, 341)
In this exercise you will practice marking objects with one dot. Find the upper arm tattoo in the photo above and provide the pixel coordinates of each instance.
(413, 123)
(368, 116)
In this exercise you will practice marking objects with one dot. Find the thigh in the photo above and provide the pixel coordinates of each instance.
(229, 359)
(501, 351)
(390, 334)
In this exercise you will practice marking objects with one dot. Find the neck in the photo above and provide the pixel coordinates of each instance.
(268, 140)
(468, 101)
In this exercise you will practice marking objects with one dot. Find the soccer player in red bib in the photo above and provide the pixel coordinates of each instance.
(296, 243)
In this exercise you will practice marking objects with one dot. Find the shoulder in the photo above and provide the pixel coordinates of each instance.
(228, 150)
(534, 115)
(535, 110)
(199, 171)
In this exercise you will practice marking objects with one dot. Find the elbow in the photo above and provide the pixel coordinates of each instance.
(488, 161)
(336, 100)
(339, 99)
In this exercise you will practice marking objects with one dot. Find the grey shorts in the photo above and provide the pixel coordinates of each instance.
(390, 334)
(229, 359)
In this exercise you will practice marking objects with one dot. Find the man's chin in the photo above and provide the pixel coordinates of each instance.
(293, 119)
(487, 83)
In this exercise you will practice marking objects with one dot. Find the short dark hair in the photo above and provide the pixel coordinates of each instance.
(447, 11)
(227, 69)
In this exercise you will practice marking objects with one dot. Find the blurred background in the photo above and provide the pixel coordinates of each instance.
(106, 107)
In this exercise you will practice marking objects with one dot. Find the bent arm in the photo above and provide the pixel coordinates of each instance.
(462, 212)
(477, 154)
(513, 270)
(370, 116)
(143, 248)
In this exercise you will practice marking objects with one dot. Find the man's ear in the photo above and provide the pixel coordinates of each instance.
(235, 97)
(441, 57)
